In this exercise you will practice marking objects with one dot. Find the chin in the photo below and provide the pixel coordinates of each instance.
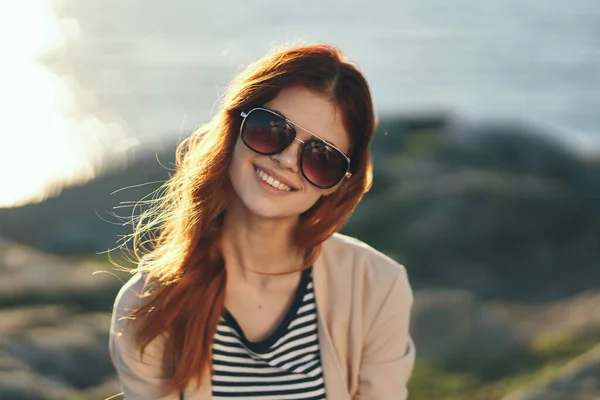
(271, 213)
(267, 208)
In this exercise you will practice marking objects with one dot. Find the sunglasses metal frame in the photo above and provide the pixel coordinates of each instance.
(292, 124)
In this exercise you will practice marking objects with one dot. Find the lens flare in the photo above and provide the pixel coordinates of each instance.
(47, 141)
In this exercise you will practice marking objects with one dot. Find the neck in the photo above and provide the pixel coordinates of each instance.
(252, 245)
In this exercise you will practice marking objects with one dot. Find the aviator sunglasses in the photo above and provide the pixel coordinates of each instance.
(321, 163)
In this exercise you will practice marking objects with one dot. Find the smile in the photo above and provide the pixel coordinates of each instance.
(272, 181)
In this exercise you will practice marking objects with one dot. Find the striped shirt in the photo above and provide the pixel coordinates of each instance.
(285, 365)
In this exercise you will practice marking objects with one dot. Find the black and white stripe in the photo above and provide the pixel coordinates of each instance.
(286, 365)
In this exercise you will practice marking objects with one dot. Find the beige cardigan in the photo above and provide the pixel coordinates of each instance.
(363, 301)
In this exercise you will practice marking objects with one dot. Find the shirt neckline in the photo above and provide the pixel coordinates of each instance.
(264, 346)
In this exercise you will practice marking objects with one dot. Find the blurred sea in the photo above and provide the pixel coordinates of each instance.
(130, 73)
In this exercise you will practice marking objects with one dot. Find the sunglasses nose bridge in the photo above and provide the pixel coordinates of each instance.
(295, 150)
(297, 139)
(290, 156)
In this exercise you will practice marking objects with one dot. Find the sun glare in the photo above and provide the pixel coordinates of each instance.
(43, 144)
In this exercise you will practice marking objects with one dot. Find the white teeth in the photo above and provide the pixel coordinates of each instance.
(272, 181)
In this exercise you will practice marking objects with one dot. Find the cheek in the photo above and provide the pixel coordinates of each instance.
(241, 156)
(238, 167)
(313, 192)
(239, 151)
(311, 196)
(234, 165)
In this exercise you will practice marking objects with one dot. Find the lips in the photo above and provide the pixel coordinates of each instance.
(280, 178)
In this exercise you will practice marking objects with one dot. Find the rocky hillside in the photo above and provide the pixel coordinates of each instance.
(54, 330)
(87, 219)
(499, 229)
(489, 209)
(578, 380)
(498, 210)
(55, 313)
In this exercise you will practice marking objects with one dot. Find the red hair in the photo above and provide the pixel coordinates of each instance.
(179, 234)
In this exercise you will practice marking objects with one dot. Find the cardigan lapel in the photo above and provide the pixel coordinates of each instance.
(335, 386)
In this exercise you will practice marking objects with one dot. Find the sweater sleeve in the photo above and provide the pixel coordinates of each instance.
(141, 378)
(388, 352)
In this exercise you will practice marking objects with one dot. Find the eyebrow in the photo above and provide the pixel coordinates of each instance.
(301, 127)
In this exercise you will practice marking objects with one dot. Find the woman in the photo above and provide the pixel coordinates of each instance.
(248, 291)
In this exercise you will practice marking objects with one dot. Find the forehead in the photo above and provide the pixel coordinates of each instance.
(314, 113)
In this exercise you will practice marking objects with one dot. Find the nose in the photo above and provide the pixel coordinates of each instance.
(289, 157)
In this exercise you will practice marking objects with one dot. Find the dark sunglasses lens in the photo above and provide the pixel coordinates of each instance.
(323, 165)
(266, 133)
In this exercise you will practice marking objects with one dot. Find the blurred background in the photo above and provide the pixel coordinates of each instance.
(487, 173)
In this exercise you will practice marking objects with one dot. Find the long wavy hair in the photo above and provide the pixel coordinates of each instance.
(176, 240)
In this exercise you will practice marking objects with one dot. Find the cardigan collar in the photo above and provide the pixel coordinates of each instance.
(335, 383)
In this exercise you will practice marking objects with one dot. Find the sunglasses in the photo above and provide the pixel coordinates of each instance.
(321, 163)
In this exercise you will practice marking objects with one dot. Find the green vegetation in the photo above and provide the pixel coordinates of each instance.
(491, 381)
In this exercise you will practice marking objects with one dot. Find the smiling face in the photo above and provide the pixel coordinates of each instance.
(249, 170)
